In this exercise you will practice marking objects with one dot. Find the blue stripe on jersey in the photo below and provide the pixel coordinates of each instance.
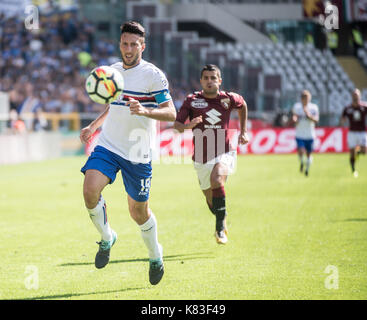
(148, 105)
(145, 93)
(137, 93)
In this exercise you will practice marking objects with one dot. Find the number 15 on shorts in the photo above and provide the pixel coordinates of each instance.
(145, 186)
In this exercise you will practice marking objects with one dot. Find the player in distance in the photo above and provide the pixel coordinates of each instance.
(305, 115)
(356, 115)
(214, 158)
(131, 118)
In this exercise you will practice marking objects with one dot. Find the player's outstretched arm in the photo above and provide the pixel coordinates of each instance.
(87, 132)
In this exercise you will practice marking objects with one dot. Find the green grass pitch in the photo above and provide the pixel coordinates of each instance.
(290, 237)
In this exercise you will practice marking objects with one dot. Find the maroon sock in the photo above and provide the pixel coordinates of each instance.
(219, 207)
(218, 192)
(210, 207)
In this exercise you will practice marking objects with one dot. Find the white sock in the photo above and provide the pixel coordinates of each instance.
(150, 237)
(308, 162)
(300, 156)
(99, 217)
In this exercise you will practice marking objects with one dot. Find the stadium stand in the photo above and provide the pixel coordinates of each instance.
(46, 69)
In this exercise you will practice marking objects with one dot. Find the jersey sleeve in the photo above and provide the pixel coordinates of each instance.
(344, 114)
(317, 113)
(294, 109)
(237, 100)
(184, 111)
(160, 87)
(316, 109)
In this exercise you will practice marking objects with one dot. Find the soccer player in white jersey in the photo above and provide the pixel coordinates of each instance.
(126, 143)
(305, 116)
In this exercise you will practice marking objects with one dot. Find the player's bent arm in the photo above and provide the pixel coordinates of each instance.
(180, 127)
(166, 111)
(242, 114)
(312, 118)
(87, 132)
(294, 118)
(342, 121)
(191, 125)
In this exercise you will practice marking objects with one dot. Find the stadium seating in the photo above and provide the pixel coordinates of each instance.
(282, 70)
(267, 74)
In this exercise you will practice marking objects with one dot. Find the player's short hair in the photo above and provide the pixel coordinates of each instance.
(357, 91)
(133, 27)
(306, 94)
(211, 67)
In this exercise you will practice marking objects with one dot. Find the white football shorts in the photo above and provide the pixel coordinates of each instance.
(357, 138)
(204, 170)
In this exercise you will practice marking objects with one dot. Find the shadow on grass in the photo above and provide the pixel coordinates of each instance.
(69, 295)
(178, 257)
(352, 220)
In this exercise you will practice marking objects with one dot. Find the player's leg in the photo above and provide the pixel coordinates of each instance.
(352, 139)
(203, 171)
(137, 182)
(308, 149)
(218, 178)
(209, 199)
(308, 162)
(145, 218)
(98, 172)
(352, 160)
(94, 183)
(300, 153)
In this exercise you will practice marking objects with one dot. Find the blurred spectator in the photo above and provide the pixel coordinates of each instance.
(332, 39)
(39, 122)
(357, 39)
(17, 125)
(45, 69)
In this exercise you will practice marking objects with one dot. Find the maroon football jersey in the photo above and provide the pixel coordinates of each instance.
(211, 135)
(356, 117)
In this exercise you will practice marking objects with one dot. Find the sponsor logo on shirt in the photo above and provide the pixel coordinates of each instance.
(213, 117)
(357, 115)
(199, 103)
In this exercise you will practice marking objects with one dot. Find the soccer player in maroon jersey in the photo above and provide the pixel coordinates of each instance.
(214, 158)
(356, 114)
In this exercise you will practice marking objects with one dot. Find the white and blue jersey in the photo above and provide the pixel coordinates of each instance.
(126, 141)
(132, 137)
(305, 128)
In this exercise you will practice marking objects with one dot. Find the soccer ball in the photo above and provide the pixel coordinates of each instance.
(104, 84)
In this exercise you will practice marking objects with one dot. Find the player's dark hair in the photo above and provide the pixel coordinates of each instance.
(210, 67)
(133, 27)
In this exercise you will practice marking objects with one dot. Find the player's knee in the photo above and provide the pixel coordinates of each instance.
(91, 196)
(216, 181)
(138, 212)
